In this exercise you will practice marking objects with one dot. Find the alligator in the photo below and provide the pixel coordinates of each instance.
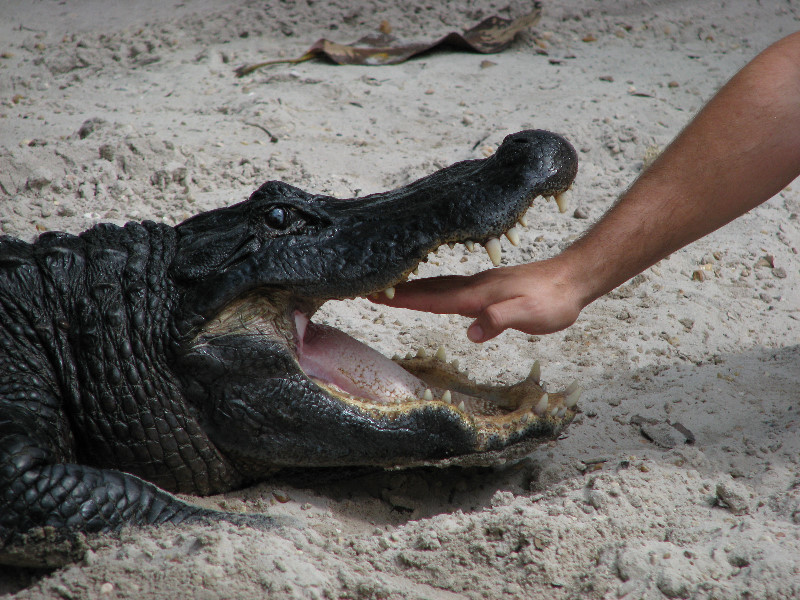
(144, 360)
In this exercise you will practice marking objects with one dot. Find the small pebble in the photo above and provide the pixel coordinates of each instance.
(281, 496)
(580, 213)
(766, 261)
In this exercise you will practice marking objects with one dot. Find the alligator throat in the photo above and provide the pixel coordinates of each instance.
(333, 358)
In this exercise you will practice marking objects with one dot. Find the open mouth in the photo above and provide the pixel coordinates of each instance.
(352, 372)
(275, 361)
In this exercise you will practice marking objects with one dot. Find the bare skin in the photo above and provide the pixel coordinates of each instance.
(740, 150)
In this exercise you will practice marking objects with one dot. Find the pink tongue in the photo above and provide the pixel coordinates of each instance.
(333, 357)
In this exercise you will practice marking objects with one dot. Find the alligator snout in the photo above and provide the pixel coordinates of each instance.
(345, 403)
(546, 155)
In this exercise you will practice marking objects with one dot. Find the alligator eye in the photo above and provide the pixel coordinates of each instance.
(278, 218)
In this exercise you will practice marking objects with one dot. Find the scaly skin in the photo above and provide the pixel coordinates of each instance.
(141, 360)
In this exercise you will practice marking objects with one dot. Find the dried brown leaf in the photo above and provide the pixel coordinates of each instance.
(491, 35)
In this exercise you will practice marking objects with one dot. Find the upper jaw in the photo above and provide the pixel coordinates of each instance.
(492, 244)
(384, 272)
(378, 240)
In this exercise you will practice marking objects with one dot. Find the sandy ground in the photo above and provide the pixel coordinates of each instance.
(117, 111)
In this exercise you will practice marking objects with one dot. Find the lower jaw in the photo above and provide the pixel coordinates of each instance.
(357, 374)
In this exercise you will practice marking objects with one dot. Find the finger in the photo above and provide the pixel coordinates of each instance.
(523, 314)
(494, 320)
(450, 294)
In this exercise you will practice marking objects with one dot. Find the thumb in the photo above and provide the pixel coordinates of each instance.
(493, 320)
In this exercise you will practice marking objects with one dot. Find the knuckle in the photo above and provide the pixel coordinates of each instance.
(494, 317)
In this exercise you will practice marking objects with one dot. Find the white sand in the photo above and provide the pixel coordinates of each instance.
(176, 133)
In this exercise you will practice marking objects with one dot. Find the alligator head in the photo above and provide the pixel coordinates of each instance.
(273, 388)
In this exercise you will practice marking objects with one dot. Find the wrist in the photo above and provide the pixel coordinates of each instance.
(577, 277)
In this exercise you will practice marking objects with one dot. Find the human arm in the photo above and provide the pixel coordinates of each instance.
(741, 149)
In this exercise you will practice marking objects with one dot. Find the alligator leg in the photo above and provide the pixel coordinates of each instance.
(38, 495)
(47, 500)
(45, 508)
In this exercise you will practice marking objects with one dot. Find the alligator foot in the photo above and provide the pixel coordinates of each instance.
(47, 510)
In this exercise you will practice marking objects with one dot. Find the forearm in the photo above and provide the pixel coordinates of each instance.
(740, 150)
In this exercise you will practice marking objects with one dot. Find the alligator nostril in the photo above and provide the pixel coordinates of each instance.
(521, 140)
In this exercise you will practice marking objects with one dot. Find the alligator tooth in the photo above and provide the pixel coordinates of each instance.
(441, 354)
(541, 407)
(389, 292)
(562, 200)
(572, 394)
(451, 245)
(409, 356)
(493, 250)
(428, 395)
(454, 362)
(416, 270)
(525, 418)
(513, 236)
(395, 357)
(554, 412)
(536, 372)
(421, 353)
(470, 245)
(561, 412)
(461, 406)
(523, 220)
(447, 396)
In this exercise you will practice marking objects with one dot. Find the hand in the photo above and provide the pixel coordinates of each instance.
(535, 298)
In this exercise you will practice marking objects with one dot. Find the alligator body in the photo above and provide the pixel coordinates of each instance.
(144, 360)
